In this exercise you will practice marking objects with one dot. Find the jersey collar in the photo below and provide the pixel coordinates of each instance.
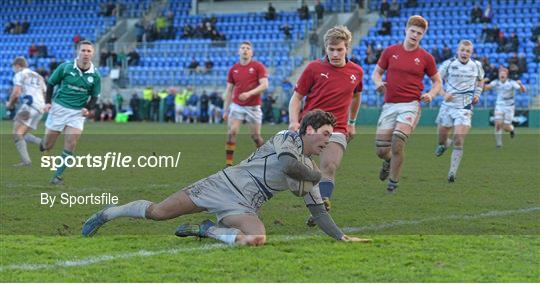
(89, 71)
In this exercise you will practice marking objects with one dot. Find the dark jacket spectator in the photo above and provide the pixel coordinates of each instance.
(436, 53)
(385, 8)
(193, 66)
(319, 10)
(487, 14)
(411, 3)
(53, 65)
(522, 64)
(133, 58)
(134, 104)
(476, 14)
(286, 31)
(371, 57)
(446, 52)
(303, 12)
(536, 33)
(394, 9)
(208, 65)
(386, 27)
(42, 51)
(513, 43)
(271, 14)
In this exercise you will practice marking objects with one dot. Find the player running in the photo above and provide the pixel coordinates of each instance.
(464, 79)
(79, 86)
(246, 81)
(505, 104)
(236, 193)
(29, 87)
(405, 65)
(333, 84)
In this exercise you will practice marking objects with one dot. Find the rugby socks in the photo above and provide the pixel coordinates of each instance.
(23, 151)
(226, 235)
(457, 153)
(229, 153)
(326, 187)
(135, 209)
(61, 169)
(498, 137)
(31, 138)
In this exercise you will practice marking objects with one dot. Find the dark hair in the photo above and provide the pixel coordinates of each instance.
(316, 118)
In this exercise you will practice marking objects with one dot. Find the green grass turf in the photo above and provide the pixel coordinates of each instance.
(482, 228)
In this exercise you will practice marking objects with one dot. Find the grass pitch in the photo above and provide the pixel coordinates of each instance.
(483, 228)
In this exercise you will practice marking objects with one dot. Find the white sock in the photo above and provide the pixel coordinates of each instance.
(457, 153)
(21, 148)
(498, 137)
(31, 138)
(226, 235)
(135, 209)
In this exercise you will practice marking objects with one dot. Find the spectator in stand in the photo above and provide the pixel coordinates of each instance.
(313, 44)
(76, 39)
(106, 110)
(53, 65)
(139, 31)
(170, 105)
(135, 105)
(32, 51)
(192, 108)
(193, 66)
(42, 51)
(536, 51)
(319, 10)
(187, 31)
(513, 43)
(103, 56)
(446, 52)
(522, 64)
(133, 57)
(536, 33)
(303, 11)
(411, 3)
(204, 101)
(386, 27)
(513, 67)
(271, 14)
(371, 57)
(267, 108)
(216, 107)
(208, 66)
(286, 31)
(378, 51)
(476, 14)
(154, 107)
(437, 55)
(394, 9)
(487, 15)
(169, 29)
(501, 42)
(25, 26)
(355, 59)
(385, 8)
(10, 27)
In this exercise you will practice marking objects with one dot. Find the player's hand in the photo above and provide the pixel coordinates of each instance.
(225, 115)
(294, 126)
(85, 112)
(519, 82)
(346, 238)
(8, 105)
(448, 97)
(381, 89)
(243, 96)
(475, 100)
(46, 108)
(351, 131)
(426, 98)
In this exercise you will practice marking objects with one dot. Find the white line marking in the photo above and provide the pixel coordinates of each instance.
(142, 253)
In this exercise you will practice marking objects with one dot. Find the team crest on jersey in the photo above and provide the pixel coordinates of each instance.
(251, 70)
(353, 79)
(72, 74)
(416, 61)
(90, 79)
(235, 71)
(395, 57)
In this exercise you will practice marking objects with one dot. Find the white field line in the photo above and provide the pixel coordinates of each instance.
(144, 253)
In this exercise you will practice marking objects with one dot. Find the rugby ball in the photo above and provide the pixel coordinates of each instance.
(301, 187)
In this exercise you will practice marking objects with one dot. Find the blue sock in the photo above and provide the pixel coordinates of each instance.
(326, 187)
(61, 169)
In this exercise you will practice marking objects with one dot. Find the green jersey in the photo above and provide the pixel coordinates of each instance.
(75, 86)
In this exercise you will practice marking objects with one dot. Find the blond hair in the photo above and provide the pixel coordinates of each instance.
(417, 20)
(337, 34)
(20, 61)
(465, 42)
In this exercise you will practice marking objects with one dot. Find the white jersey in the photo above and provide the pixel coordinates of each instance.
(461, 80)
(33, 88)
(505, 91)
(257, 178)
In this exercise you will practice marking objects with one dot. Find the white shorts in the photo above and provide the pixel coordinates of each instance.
(251, 114)
(392, 113)
(504, 113)
(449, 116)
(213, 194)
(28, 116)
(339, 138)
(59, 117)
(179, 109)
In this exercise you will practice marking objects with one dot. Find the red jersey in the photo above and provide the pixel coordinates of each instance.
(246, 78)
(405, 72)
(330, 88)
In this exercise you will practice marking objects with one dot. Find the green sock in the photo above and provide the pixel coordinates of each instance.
(61, 169)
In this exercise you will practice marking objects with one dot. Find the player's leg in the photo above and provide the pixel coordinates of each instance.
(177, 204)
(498, 132)
(383, 138)
(254, 118)
(400, 135)
(49, 139)
(460, 132)
(233, 127)
(19, 131)
(249, 229)
(444, 127)
(71, 136)
(508, 118)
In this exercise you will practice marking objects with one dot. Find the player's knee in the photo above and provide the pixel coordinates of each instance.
(17, 137)
(329, 169)
(382, 148)
(399, 139)
(251, 240)
(154, 213)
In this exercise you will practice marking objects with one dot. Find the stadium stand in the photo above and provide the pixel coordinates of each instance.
(449, 23)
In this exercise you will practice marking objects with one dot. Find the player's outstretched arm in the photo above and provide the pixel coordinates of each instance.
(325, 222)
(291, 167)
(295, 104)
